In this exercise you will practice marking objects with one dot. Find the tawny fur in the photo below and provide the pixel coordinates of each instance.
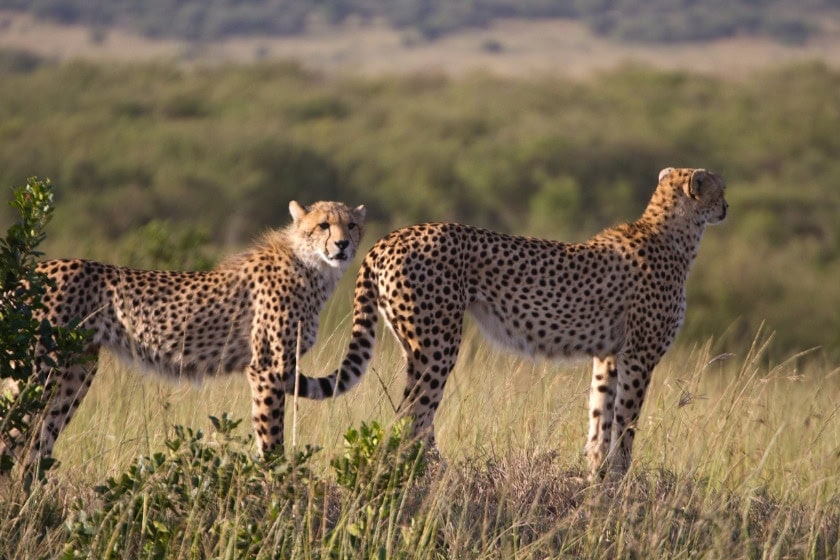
(241, 316)
(618, 298)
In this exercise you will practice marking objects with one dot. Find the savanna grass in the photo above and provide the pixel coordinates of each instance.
(736, 457)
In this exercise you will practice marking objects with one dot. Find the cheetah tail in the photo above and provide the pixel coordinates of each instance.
(359, 350)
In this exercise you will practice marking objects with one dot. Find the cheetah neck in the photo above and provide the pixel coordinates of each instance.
(330, 275)
(681, 230)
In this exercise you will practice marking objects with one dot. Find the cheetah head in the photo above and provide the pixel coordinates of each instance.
(328, 232)
(702, 192)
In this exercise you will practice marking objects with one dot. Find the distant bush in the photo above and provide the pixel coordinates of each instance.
(551, 157)
(678, 22)
(18, 62)
(492, 46)
(630, 20)
(160, 245)
(789, 30)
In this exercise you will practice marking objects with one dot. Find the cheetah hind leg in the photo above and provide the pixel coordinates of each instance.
(427, 370)
(601, 411)
(421, 406)
(65, 389)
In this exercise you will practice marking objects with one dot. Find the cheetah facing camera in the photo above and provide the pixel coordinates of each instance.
(619, 298)
(242, 315)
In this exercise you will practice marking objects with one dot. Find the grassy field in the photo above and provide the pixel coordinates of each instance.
(738, 450)
(736, 457)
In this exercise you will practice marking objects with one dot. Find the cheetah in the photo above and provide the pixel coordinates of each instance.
(618, 298)
(243, 315)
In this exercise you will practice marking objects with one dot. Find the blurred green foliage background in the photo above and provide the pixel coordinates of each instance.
(211, 156)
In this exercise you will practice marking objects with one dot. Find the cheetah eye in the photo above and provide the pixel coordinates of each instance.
(351, 225)
(324, 225)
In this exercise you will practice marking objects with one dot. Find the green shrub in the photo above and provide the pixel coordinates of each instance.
(208, 497)
(203, 496)
(366, 450)
(21, 288)
(378, 468)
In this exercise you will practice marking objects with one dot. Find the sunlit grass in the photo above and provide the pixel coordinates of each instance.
(735, 456)
(729, 417)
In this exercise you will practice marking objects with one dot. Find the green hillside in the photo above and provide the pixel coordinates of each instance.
(625, 20)
(220, 151)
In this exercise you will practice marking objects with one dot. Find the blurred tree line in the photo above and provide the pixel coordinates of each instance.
(626, 20)
(214, 155)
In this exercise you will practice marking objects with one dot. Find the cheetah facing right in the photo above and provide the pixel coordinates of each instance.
(618, 297)
(253, 313)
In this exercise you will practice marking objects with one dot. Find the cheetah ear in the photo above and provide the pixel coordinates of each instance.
(296, 210)
(696, 183)
(665, 172)
(360, 211)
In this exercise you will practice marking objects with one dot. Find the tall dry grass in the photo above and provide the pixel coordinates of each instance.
(722, 413)
(735, 456)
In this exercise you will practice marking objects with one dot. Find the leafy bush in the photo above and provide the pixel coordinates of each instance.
(21, 333)
(378, 468)
(365, 451)
(208, 497)
(200, 496)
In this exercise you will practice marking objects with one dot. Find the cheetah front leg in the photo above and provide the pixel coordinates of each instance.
(634, 375)
(601, 409)
(429, 361)
(268, 407)
(272, 363)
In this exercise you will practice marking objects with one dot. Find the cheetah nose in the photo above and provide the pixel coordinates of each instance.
(342, 244)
